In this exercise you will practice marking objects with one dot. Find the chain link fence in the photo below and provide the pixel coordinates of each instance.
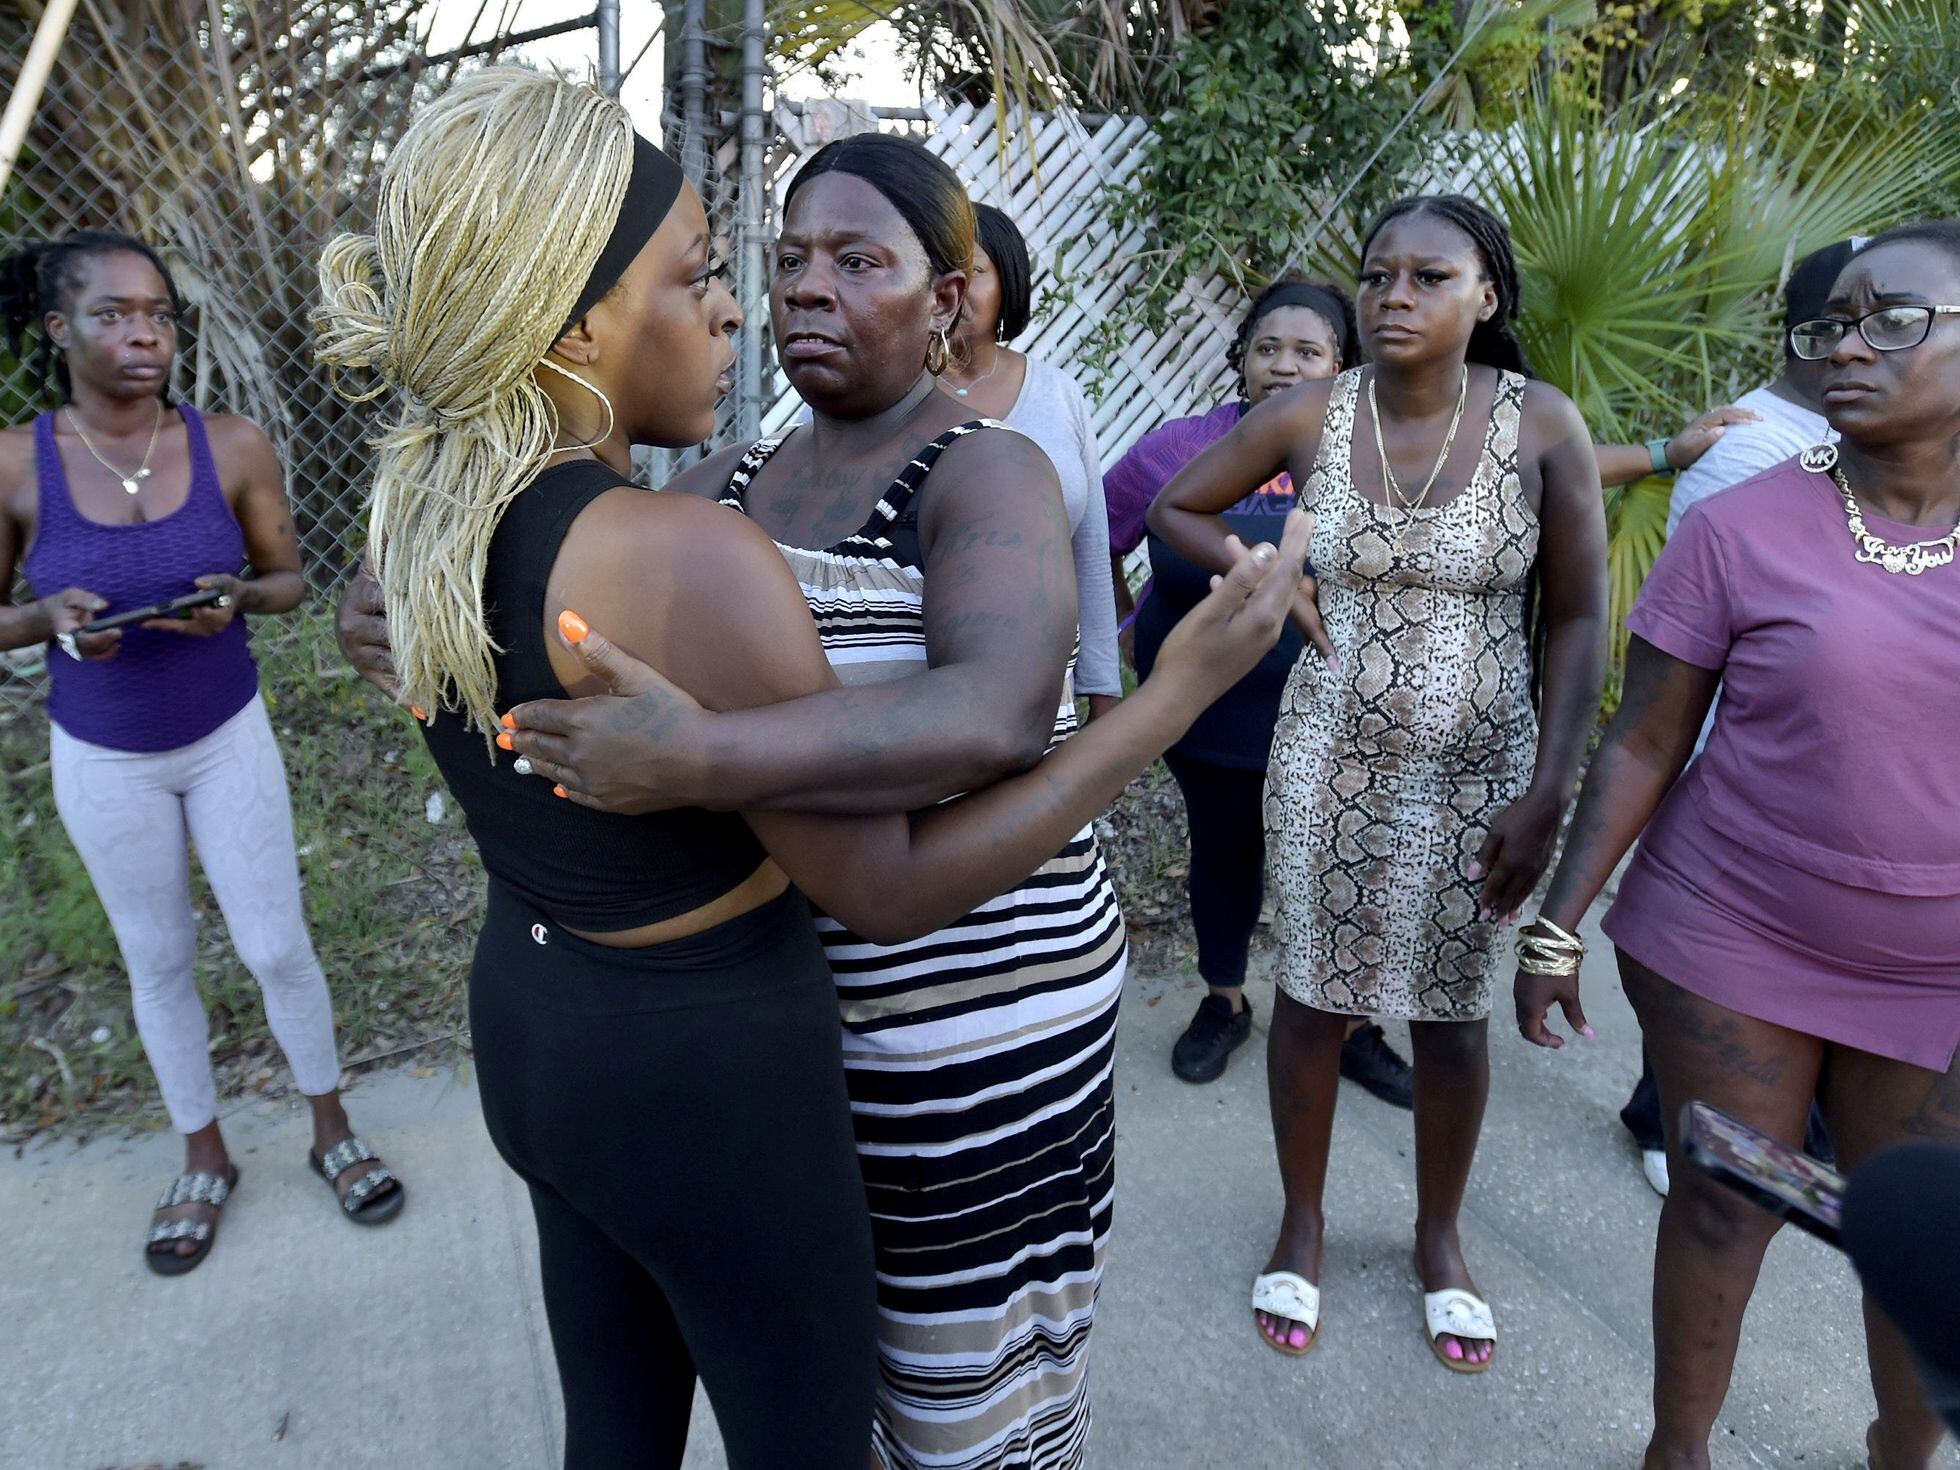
(237, 152)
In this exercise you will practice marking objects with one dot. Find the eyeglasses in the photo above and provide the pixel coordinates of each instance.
(1892, 330)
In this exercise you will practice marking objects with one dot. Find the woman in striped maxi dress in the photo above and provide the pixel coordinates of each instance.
(979, 1058)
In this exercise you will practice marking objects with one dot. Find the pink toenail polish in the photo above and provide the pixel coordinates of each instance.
(1455, 1350)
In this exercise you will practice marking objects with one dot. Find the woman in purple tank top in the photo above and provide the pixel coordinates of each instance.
(121, 500)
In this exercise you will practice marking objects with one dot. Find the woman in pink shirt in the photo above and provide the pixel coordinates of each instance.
(1790, 926)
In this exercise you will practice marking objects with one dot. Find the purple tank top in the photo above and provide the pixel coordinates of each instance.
(161, 690)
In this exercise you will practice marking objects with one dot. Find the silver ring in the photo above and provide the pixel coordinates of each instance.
(522, 765)
(67, 642)
(224, 599)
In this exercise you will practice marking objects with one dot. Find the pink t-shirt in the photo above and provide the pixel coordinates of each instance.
(1834, 742)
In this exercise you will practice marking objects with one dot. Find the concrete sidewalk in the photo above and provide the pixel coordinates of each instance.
(305, 1342)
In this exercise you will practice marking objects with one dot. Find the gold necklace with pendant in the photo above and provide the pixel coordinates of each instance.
(128, 482)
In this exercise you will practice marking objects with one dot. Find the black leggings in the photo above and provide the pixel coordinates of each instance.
(1224, 807)
(679, 1114)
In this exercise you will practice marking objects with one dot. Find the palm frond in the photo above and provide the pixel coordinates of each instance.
(1618, 288)
(1636, 526)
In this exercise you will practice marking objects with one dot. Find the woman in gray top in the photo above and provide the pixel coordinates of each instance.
(1047, 405)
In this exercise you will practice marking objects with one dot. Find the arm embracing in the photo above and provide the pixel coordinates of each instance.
(892, 877)
(999, 613)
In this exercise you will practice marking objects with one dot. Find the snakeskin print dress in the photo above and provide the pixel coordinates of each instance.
(1386, 773)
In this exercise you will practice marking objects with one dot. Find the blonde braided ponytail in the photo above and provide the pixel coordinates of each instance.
(492, 211)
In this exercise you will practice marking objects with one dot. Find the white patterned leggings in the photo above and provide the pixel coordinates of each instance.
(133, 816)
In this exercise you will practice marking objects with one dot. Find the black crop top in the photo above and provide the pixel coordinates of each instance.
(589, 870)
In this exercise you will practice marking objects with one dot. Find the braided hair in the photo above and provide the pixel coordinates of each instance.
(492, 212)
(1332, 304)
(44, 277)
(1492, 343)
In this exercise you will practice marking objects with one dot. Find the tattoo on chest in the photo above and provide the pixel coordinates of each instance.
(818, 505)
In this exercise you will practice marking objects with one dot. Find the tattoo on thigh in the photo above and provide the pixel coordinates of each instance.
(1938, 1117)
(1731, 1055)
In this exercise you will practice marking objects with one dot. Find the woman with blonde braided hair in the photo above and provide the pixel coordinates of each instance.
(656, 1043)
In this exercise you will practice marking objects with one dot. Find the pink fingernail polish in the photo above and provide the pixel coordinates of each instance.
(1587, 1033)
(1476, 869)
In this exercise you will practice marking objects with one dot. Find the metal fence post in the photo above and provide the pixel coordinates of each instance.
(753, 282)
(694, 91)
(608, 28)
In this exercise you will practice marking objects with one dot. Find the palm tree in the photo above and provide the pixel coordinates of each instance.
(1650, 253)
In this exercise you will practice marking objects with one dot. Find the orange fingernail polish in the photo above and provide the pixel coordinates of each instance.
(504, 742)
(416, 710)
(572, 626)
(509, 723)
(559, 791)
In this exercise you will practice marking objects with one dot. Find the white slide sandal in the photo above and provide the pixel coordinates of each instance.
(1292, 1297)
(1461, 1314)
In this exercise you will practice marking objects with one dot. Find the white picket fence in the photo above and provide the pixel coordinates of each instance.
(1049, 179)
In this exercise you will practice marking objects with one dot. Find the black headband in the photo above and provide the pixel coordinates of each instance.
(1314, 298)
(650, 193)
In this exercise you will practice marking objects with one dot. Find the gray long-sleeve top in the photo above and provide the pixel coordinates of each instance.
(1053, 412)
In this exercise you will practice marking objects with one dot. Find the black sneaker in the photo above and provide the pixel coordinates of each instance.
(1214, 1032)
(1367, 1058)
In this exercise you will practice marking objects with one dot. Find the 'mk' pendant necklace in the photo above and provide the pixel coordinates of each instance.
(128, 482)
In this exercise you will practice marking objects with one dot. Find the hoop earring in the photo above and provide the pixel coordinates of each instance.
(939, 352)
(612, 419)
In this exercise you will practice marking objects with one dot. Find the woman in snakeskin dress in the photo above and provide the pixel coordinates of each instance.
(1413, 797)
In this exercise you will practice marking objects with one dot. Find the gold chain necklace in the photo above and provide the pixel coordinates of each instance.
(1912, 559)
(1389, 482)
(129, 482)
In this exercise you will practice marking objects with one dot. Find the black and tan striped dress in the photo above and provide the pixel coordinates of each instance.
(980, 1067)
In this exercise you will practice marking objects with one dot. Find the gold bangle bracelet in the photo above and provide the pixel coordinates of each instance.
(1555, 951)
(1559, 938)
(1533, 964)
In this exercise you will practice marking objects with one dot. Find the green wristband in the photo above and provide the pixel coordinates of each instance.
(1657, 456)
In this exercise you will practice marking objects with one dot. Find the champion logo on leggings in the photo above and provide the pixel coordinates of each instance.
(538, 932)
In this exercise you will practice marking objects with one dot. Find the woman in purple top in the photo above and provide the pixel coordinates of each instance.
(122, 500)
(1790, 925)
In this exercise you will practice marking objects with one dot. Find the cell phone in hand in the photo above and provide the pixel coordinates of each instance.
(177, 607)
(1769, 1173)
